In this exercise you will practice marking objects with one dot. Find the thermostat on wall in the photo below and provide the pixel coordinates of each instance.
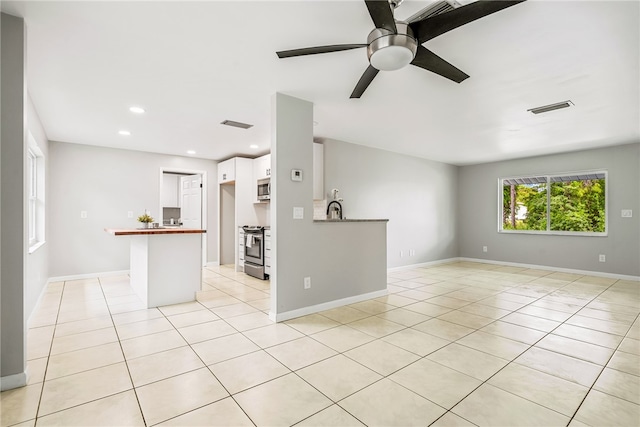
(296, 175)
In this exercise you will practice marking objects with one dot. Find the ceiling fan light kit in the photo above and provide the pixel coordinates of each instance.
(388, 51)
(393, 44)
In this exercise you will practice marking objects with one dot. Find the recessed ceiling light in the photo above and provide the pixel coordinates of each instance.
(124, 132)
(254, 146)
(137, 110)
(191, 152)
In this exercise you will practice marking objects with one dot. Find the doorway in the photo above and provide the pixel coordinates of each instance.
(183, 200)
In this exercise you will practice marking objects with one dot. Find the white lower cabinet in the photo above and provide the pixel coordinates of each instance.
(267, 251)
(240, 266)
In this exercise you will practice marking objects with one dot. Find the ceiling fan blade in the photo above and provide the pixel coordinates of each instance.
(381, 14)
(317, 49)
(432, 62)
(436, 25)
(364, 82)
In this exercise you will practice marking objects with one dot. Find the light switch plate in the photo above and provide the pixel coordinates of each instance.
(296, 175)
(627, 213)
(298, 213)
(83, 214)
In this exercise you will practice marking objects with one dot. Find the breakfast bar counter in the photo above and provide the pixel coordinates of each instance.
(166, 263)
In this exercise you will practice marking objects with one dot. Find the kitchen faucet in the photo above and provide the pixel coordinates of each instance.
(337, 201)
(339, 208)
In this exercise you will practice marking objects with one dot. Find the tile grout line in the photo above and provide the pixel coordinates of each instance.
(53, 334)
(230, 395)
(126, 363)
(405, 327)
(600, 374)
(513, 361)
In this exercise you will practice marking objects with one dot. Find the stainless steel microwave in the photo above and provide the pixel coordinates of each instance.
(264, 189)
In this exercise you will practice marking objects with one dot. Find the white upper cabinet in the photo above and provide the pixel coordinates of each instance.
(170, 189)
(318, 171)
(262, 167)
(227, 171)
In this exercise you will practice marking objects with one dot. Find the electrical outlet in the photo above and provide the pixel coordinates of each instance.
(83, 214)
(602, 258)
(307, 282)
(484, 249)
(626, 213)
(130, 214)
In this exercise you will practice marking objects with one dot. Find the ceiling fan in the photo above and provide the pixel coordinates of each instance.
(395, 44)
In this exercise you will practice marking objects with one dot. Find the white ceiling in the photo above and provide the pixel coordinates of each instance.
(192, 65)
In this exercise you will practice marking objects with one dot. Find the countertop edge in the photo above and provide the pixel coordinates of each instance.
(350, 220)
(141, 232)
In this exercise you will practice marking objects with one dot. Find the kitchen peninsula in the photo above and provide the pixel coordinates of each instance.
(166, 263)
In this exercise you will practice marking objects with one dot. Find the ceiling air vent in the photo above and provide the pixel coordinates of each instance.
(434, 9)
(236, 124)
(551, 107)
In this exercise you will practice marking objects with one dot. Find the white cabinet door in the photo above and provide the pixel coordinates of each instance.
(262, 167)
(227, 171)
(318, 171)
(191, 201)
(240, 249)
(267, 251)
(170, 190)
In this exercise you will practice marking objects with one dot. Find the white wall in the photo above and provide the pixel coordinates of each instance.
(478, 218)
(107, 183)
(344, 260)
(418, 197)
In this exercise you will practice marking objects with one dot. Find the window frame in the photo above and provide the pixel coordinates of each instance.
(32, 197)
(35, 175)
(549, 181)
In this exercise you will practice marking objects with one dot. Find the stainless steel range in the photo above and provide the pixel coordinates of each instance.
(254, 251)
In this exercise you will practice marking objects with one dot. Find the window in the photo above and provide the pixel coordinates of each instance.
(35, 195)
(571, 203)
(32, 167)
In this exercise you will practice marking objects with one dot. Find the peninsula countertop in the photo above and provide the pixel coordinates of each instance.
(146, 231)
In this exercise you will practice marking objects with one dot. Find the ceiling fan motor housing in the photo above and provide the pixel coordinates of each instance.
(389, 51)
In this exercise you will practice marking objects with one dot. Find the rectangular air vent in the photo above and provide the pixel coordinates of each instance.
(236, 124)
(434, 9)
(551, 107)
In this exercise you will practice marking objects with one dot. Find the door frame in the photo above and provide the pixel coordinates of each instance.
(203, 174)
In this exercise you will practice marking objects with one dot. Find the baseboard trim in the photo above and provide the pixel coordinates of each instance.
(558, 269)
(281, 317)
(423, 264)
(87, 276)
(213, 264)
(13, 381)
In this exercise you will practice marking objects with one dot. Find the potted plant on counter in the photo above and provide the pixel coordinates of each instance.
(146, 220)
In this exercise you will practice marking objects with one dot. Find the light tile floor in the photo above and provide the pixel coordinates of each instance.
(451, 345)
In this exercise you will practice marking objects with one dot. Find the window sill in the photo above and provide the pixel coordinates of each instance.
(36, 246)
(556, 233)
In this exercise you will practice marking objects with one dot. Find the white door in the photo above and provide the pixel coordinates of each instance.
(191, 201)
